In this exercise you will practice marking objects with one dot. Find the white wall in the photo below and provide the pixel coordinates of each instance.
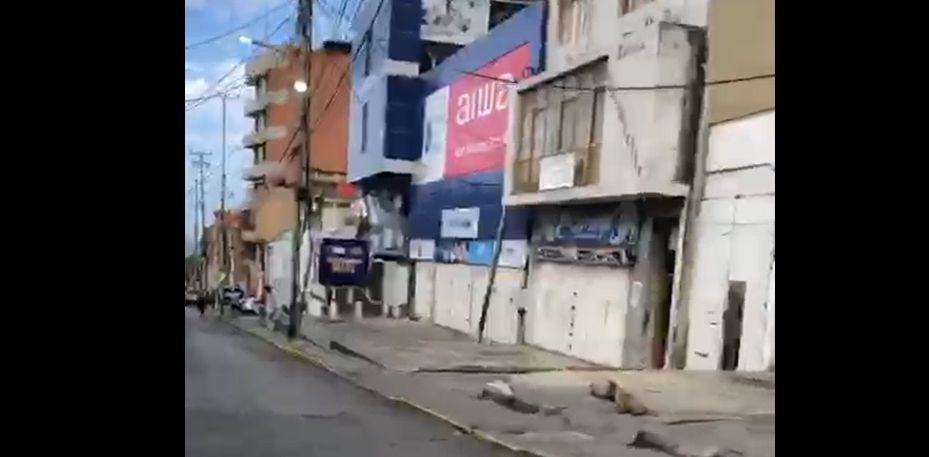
(452, 296)
(579, 311)
(735, 242)
(769, 348)
(279, 268)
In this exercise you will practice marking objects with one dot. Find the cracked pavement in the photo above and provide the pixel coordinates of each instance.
(243, 398)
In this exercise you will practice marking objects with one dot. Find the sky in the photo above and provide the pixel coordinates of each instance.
(205, 65)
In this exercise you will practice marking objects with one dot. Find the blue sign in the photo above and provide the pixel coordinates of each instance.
(481, 252)
(344, 263)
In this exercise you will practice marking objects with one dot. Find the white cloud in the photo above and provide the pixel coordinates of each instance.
(203, 132)
(232, 9)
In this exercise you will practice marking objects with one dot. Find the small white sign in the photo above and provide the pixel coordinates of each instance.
(455, 21)
(514, 253)
(460, 223)
(422, 250)
(556, 172)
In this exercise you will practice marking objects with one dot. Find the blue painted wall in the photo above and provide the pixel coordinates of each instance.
(483, 190)
(387, 30)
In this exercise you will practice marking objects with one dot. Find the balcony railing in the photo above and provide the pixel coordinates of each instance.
(584, 161)
(253, 107)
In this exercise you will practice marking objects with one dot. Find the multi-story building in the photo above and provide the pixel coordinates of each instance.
(397, 41)
(457, 188)
(238, 256)
(600, 149)
(277, 141)
(727, 314)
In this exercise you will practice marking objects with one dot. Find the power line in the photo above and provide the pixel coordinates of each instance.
(631, 88)
(199, 101)
(338, 87)
(216, 95)
(238, 28)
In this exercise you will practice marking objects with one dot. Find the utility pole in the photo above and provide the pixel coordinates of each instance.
(194, 255)
(303, 193)
(201, 164)
(224, 255)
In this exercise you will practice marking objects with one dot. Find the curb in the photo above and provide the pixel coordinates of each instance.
(464, 429)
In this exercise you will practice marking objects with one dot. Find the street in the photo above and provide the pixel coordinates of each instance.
(243, 397)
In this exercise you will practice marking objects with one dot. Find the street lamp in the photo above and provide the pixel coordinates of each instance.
(253, 42)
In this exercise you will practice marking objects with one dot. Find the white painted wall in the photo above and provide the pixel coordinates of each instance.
(769, 348)
(424, 302)
(579, 311)
(455, 294)
(279, 268)
(735, 242)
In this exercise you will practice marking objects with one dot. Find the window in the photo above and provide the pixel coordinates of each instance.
(572, 20)
(564, 118)
(628, 6)
(567, 126)
(366, 64)
(364, 128)
(566, 12)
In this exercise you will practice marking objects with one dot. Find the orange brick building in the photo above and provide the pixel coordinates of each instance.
(277, 141)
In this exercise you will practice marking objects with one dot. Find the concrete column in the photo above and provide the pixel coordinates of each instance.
(333, 306)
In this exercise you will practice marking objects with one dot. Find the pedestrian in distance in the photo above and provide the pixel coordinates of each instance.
(201, 305)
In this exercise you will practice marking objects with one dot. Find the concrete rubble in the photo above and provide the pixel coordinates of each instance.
(546, 404)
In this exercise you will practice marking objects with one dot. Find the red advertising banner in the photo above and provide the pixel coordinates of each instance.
(478, 114)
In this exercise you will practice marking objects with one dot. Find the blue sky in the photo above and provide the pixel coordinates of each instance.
(206, 65)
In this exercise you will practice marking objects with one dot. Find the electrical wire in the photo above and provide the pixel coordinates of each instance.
(199, 101)
(338, 88)
(630, 88)
(237, 28)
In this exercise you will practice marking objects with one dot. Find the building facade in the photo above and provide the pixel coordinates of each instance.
(600, 150)
(457, 189)
(277, 141)
(232, 268)
(727, 317)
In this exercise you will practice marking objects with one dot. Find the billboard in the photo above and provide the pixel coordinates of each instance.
(343, 263)
(478, 115)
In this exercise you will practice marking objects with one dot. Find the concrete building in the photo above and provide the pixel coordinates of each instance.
(600, 149)
(276, 142)
(239, 256)
(458, 184)
(726, 319)
(397, 42)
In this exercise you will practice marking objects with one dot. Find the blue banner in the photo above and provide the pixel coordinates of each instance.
(344, 263)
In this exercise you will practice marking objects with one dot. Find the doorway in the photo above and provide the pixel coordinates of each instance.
(665, 255)
(732, 325)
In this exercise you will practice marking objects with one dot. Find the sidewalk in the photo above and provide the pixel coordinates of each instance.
(444, 374)
(413, 347)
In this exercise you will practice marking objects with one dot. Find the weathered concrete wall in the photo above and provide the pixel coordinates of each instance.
(735, 242)
(579, 311)
(453, 295)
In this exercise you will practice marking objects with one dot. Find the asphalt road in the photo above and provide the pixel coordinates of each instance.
(243, 397)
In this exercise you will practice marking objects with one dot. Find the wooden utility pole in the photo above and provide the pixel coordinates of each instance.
(303, 193)
(201, 164)
(224, 253)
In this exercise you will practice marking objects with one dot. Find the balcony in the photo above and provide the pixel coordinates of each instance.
(577, 168)
(256, 106)
(263, 136)
(263, 64)
(261, 103)
(254, 139)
